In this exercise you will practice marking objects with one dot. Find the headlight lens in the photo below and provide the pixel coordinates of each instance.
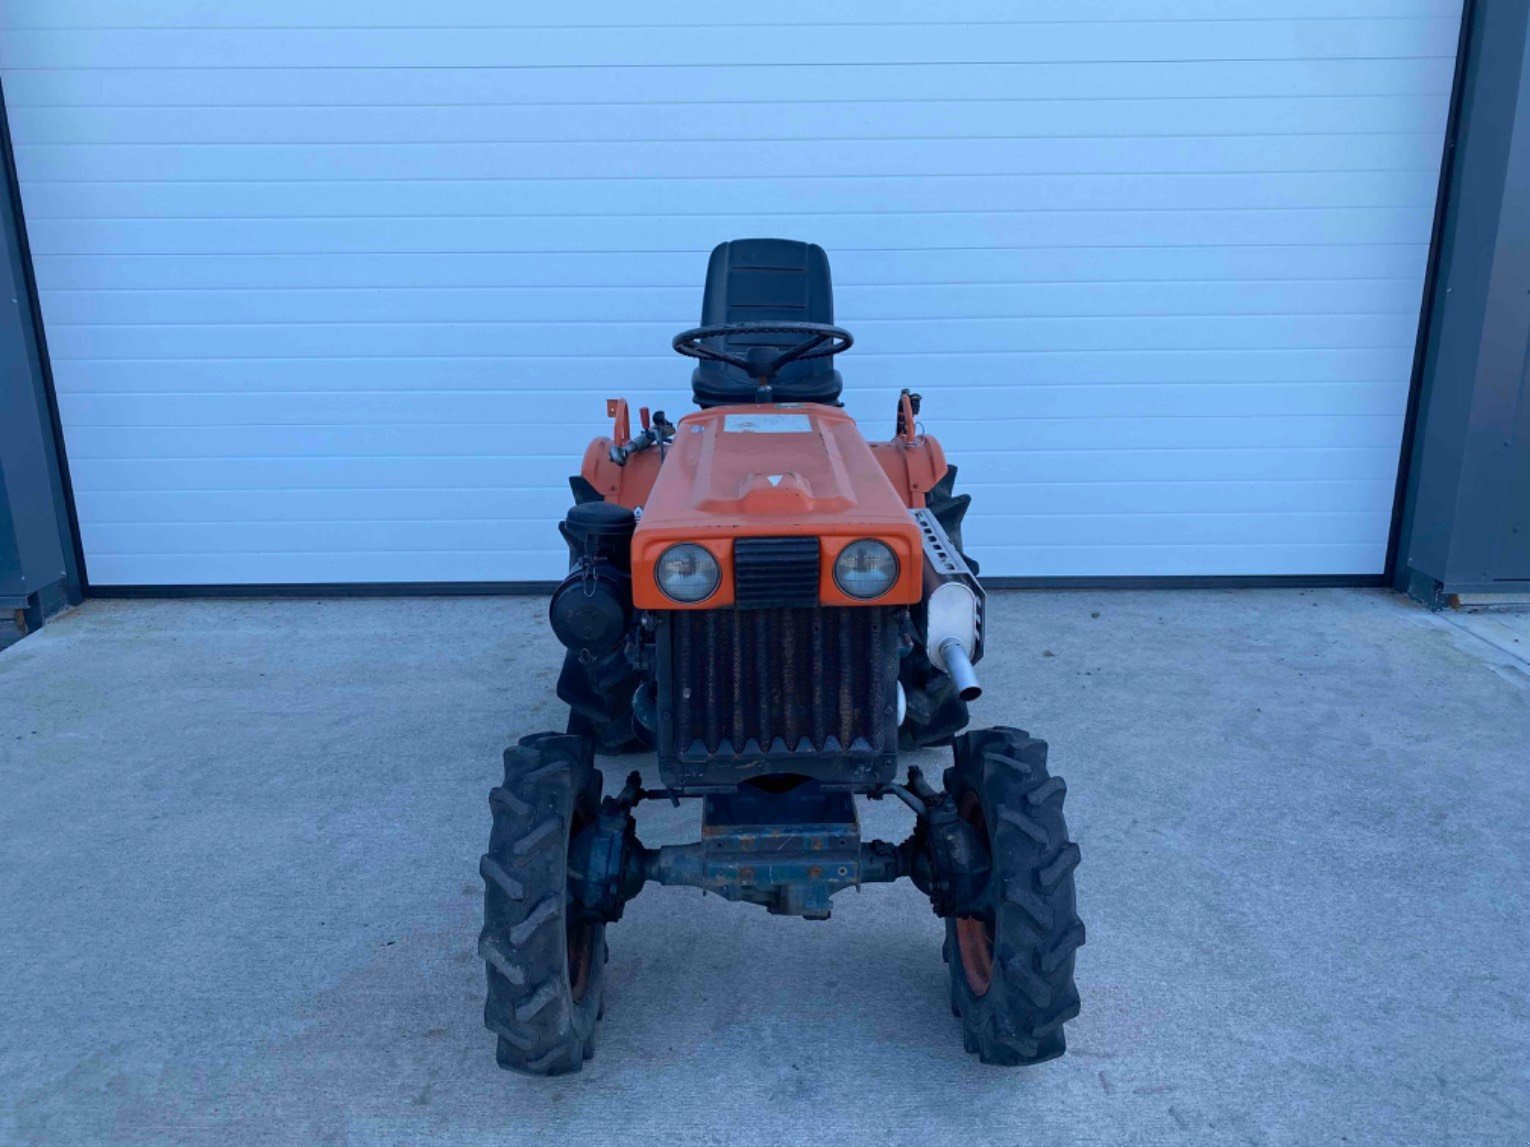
(865, 569)
(687, 573)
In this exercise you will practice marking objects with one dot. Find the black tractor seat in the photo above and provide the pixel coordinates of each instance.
(766, 281)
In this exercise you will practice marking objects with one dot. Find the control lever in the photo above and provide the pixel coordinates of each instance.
(657, 434)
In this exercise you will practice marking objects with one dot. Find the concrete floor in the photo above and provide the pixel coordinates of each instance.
(240, 891)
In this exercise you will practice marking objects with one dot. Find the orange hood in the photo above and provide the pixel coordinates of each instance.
(784, 470)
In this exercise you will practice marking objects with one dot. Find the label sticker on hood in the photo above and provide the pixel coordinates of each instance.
(767, 424)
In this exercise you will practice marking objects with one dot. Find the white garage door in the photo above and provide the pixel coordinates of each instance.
(334, 296)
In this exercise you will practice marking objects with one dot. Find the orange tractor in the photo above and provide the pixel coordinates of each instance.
(776, 607)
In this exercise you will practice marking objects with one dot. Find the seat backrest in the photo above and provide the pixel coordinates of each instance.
(766, 280)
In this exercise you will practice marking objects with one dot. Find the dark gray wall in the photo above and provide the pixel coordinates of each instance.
(38, 567)
(1466, 525)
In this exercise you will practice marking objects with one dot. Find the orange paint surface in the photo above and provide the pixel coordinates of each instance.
(773, 471)
(625, 485)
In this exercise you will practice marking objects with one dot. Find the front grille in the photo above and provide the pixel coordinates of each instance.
(811, 680)
(775, 572)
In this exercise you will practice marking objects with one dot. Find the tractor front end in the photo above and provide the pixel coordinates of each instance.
(779, 570)
(775, 606)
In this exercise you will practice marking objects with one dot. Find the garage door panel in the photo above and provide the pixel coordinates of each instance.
(374, 525)
(333, 536)
(309, 273)
(973, 422)
(486, 564)
(660, 380)
(1105, 499)
(940, 230)
(489, 565)
(949, 404)
(958, 405)
(733, 43)
(573, 269)
(447, 535)
(1170, 560)
(1381, 150)
(1020, 462)
(995, 470)
(1218, 528)
(326, 472)
(1024, 466)
(567, 439)
(129, 508)
(954, 337)
(674, 307)
(752, 120)
(170, 14)
(281, 86)
(995, 193)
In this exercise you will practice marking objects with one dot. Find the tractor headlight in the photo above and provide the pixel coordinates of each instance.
(865, 569)
(687, 573)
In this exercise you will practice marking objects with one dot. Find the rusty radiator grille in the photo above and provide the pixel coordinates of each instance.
(784, 681)
(775, 572)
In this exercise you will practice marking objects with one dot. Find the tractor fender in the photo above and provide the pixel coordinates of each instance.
(627, 485)
(912, 465)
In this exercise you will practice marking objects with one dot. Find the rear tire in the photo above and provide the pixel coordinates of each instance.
(545, 967)
(935, 712)
(599, 693)
(599, 700)
(950, 509)
(1012, 961)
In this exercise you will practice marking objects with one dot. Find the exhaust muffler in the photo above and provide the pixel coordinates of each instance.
(953, 609)
(959, 666)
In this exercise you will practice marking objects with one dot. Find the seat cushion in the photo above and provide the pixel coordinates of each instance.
(766, 280)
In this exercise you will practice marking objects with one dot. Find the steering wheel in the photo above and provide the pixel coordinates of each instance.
(763, 362)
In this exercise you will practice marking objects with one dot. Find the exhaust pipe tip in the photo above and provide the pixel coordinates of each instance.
(959, 667)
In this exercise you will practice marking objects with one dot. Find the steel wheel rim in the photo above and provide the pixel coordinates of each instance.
(578, 935)
(974, 935)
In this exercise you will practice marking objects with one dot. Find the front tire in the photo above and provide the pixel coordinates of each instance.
(545, 966)
(1012, 957)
